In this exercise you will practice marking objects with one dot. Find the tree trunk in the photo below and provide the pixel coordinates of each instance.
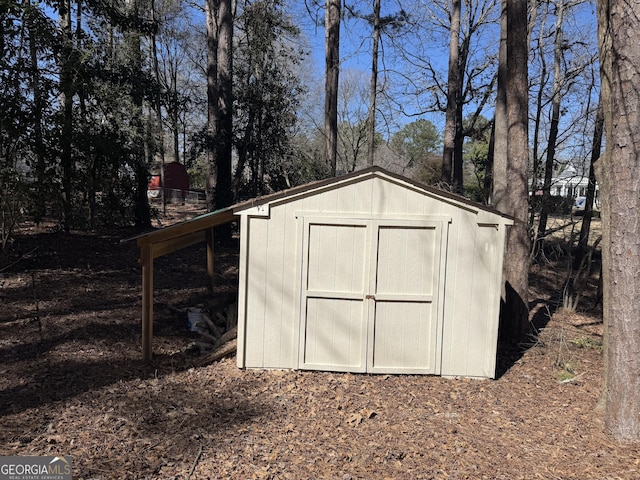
(38, 108)
(555, 122)
(487, 187)
(514, 199)
(500, 134)
(591, 187)
(223, 192)
(158, 108)
(458, 146)
(458, 143)
(535, 185)
(133, 40)
(211, 13)
(371, 124)
(66, 100)
(332, 68)
(453, 86)
(620, 78)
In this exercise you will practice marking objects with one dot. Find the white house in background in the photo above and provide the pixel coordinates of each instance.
(572, 184)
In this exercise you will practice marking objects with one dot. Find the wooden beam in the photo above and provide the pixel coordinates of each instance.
(178, 243)
(202, 222)
(146, 258)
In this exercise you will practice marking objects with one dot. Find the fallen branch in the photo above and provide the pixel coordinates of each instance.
(230, 335)
(218, 354)
(567, 380)
(216, 331)
(195, 463)
(208, 338)
(22, 257)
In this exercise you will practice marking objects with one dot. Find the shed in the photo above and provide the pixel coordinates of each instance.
(370, 272)
(176, 182)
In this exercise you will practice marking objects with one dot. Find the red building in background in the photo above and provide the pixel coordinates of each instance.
(176, 182)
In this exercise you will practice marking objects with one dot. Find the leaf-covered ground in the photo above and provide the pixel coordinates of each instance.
(72, 382)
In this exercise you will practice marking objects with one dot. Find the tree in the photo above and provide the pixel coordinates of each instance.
(353, 126)
(454, 100)
(596, 148)
(555, 119)
(620, 78)
(371, 119)
(476, 154)
(497, 158)
(418, 143)
(213, 93)
(512, 197)
(223, 196)
(563, 101)
(469, 80)
(66, 102)
(76, 86)
(332, 69)
(267, 96)
(139, 158)
(219, 18)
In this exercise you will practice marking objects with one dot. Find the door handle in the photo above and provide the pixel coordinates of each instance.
(370, 297)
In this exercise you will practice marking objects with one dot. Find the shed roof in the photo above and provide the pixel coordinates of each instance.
(359, 175)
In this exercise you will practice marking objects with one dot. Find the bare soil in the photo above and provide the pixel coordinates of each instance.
(72, 382)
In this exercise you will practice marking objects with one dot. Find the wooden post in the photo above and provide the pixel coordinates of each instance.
(146, 257)
(210, 262)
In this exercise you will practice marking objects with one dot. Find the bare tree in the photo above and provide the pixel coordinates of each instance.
(554, 127)
(470, 77)
(596, 148)
(564, 57)
(211, 10)
(371, 121)
(223, 194)
(353, 125)
(332, 69)
(497, 161)
(454, 88)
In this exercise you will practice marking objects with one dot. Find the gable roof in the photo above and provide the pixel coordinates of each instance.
(359, 175)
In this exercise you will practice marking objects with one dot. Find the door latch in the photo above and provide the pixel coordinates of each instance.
(370, 297)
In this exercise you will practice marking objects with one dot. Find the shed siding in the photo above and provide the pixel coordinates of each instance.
(456, 294)
(489, 250)
(270, 296)
(275, 292)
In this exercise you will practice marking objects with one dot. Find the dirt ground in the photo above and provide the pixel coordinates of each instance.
(72, 382)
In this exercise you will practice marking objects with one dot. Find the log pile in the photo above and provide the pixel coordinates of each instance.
(217, 331)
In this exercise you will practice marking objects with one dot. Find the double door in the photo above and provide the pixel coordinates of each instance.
(371, 299)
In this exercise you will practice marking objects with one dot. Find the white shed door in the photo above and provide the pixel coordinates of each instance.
(335, 265)
(370, 297)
